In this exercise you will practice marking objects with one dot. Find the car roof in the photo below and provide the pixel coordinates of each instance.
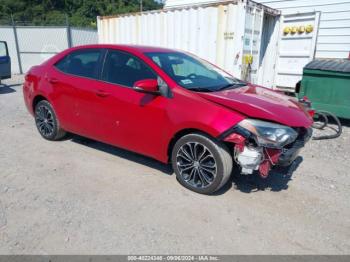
(135, 48)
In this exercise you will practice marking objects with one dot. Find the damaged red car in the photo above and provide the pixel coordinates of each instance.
(168, 105)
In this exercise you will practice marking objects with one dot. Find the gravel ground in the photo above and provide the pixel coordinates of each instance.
(80, 196)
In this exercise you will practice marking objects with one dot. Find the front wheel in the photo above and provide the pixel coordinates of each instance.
(201, 163)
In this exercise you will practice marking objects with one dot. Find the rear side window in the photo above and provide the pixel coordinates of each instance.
(125, 69)
(81, 63)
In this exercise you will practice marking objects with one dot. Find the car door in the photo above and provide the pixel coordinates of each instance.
(74, 80)
(5, 61)
(130, 119)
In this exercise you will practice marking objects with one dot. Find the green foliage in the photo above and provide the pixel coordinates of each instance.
(79, 12)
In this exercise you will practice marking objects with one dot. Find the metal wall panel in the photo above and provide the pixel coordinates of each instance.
(214, 33)
(295, 50)
(42, 39)
(334, 23)
(252, 39)
(288, 4)
(268, 54)
(81, 36)
(37, 44)
(180, 3)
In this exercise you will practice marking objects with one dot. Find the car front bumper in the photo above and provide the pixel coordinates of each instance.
(290, 153)
(251, 158)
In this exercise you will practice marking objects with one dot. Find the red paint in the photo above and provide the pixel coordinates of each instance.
(148, 85)
(306, 103)
(311, 112)
(271, 158)
(264, 168)
(263, 103)
(272, 154)
(147, 123)
(236, 139)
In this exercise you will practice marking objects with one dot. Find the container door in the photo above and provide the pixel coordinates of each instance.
(296, 47)
(251, 43)
(5, 61)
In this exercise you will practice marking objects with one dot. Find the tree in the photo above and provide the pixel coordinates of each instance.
(79, 12)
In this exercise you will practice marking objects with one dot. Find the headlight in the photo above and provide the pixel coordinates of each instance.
(269, 134)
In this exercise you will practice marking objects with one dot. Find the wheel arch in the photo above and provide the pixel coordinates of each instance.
(182, 133)
(36, 100)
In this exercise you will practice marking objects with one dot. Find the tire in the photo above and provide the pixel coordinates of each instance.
(201, 172)
(46, 121)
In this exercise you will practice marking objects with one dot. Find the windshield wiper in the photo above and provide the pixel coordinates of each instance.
(229, 86)
(199, 89)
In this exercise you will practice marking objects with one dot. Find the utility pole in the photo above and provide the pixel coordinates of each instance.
(17, 44)
(69, 33)
(141, 7)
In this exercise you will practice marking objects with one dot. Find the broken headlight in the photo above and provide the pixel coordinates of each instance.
(269, 134)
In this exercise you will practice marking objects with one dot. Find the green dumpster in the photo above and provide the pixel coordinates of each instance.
(326, 82)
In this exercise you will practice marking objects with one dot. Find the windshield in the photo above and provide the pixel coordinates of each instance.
(193, 73)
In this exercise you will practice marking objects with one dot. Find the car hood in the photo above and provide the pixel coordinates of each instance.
(259, 102)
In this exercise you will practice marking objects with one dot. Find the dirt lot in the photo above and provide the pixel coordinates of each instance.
(80, 196)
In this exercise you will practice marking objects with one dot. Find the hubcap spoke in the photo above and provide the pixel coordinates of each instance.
(195, 150)
(204, 158)
(205, 177)
(211, 171)
(201, 179)
(190, 176)
(207, 165)
(185, 165)
(191, 151)
(46, 112)
(186, 168)
(201, 154)
(42, 126)
(186, 155)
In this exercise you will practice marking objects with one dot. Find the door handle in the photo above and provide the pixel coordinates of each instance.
(102, 93)
(53, 80)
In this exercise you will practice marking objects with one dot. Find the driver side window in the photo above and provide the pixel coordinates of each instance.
(125, 69)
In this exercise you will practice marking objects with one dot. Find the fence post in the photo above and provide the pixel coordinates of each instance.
(17, 45)
(69, 33)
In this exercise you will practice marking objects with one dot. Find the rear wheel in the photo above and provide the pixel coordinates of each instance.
(201, 163)
(47, 122)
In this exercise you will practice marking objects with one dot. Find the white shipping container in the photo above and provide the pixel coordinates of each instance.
(227, 33)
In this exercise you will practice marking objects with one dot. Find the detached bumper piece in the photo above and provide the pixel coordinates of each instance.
(262, 159)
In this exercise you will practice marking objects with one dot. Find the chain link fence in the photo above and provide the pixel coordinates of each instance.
(30, 44)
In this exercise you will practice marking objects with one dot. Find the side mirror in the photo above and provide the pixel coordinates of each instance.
(149, 86)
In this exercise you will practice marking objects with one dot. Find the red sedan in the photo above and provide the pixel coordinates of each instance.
(169, 105)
